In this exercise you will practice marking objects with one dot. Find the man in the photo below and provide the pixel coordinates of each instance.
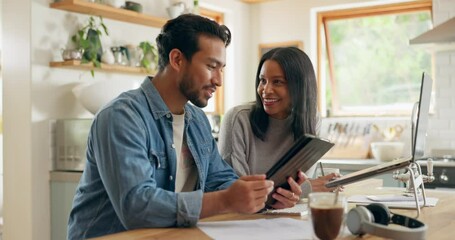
(151, 158)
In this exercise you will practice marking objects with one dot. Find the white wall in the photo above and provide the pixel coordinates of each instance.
(442, 124)
(34, 94)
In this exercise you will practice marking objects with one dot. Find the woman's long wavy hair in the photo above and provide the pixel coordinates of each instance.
(299, 73)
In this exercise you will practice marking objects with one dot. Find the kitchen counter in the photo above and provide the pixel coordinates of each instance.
(65, 176)
(350, 164)
(345, 165)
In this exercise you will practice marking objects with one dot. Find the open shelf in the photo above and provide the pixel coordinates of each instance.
(85, 7)
(76, 64)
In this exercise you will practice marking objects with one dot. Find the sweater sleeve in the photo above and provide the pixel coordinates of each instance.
(232, 142)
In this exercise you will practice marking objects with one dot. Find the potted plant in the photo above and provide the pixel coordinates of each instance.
(149, 58)
(87, 38)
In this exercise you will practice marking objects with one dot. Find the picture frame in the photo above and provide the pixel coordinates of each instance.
(265, 47)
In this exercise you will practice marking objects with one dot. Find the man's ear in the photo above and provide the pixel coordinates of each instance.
(176, 59)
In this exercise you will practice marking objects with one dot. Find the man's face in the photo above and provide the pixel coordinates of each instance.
(205, 71)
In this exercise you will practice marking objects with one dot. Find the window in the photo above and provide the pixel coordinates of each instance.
(366, 66)
(216, 103)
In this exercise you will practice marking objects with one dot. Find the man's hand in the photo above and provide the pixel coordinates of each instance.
(248, 194)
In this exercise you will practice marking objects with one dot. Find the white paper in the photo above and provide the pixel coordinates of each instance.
(276, 228)
(407, 204)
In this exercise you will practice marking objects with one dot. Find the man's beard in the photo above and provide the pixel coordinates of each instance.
(191, 93)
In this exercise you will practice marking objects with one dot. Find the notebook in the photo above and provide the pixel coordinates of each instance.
(300, 209)
(305, 152)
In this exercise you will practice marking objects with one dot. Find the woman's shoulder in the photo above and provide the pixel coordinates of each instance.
(240, 112)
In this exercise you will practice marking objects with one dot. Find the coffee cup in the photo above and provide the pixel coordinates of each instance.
(327, 214)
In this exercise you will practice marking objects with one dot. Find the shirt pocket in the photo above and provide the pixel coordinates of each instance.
(158, 160)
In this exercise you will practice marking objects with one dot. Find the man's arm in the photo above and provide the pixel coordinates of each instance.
(247, 195)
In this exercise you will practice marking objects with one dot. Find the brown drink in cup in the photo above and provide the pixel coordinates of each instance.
(326, 215)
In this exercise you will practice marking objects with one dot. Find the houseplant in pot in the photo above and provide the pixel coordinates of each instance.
(87, 38)
(149, 58)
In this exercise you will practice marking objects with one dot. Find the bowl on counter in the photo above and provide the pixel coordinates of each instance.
(387, 151)
(94, 95)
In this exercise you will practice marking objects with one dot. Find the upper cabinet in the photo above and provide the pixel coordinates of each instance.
(441, 37)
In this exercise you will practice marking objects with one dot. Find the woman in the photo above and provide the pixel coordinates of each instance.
(254, 136)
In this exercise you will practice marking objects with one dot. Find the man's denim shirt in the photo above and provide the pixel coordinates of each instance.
(129, 178)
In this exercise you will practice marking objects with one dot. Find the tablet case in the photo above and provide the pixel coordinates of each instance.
(305, 152)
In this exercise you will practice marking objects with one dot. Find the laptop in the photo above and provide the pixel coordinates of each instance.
(419, 116)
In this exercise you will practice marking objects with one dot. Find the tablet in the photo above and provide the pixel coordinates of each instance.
(305, 152)
(369, 172)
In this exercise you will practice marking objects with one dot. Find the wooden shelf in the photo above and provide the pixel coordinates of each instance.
(76, 64)
(85, 7)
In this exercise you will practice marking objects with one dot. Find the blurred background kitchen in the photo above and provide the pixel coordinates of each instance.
(369, 78)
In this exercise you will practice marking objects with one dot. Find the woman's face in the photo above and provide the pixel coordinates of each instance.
(273, 90)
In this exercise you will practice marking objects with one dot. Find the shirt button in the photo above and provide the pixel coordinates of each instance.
(173, 145)
(171, 178)
(168, 115)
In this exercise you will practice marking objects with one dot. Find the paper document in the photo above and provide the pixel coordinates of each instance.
(297, 210)
(392, 202)
(276, 228)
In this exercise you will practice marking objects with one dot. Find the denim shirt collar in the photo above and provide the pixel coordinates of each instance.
(158, 108)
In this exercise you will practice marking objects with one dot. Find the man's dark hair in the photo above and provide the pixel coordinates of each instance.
(183, 33)
(299, 73)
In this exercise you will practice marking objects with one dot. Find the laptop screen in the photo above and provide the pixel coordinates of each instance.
(420, 118)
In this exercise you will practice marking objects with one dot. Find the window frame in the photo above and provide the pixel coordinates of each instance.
(324, 16)
(219, 94)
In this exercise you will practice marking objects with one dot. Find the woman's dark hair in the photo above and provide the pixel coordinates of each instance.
(183, 33)
(299, 73)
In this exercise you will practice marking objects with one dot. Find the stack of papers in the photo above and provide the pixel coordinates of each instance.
(393, 201)
(260, 229)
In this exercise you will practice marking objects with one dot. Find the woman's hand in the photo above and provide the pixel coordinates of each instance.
(318, 184)
(288, 198)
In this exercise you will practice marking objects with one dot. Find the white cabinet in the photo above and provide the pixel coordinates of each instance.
(63, 187)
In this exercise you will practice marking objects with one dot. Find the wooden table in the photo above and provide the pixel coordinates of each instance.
(440, 219)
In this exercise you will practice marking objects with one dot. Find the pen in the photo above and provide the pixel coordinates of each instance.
(322, 169)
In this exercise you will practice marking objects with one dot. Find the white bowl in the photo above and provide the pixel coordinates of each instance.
(387, 151)
(94, 95)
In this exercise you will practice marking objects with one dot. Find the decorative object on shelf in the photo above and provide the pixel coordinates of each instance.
(133, 6)
(175, 9)
(149, 58)
(120, 55)
(72, 54)
(115, 3)
(88, 39)
(196, 7)
(135, 55)
(108, 56)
